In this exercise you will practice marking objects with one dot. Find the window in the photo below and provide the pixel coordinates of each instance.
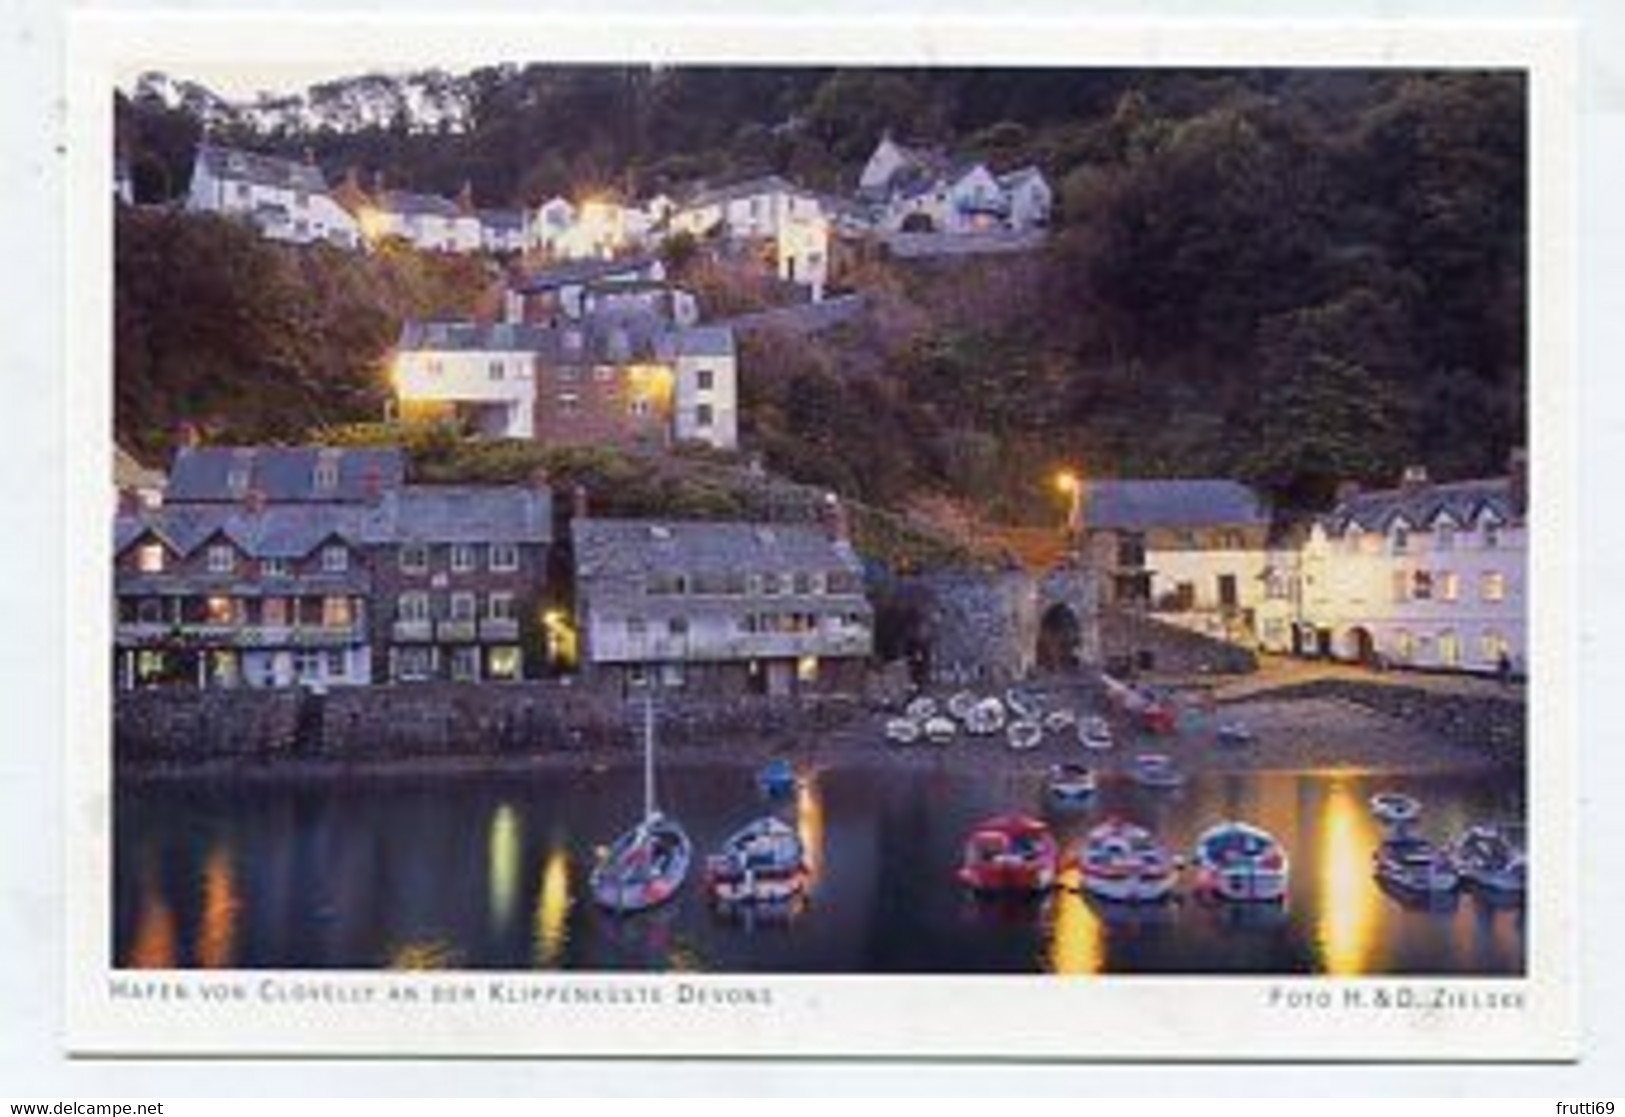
(335, 559)
(704, 380)
(504, 556)
(636, 628)
(496, 370)
(639, 406)
(1449, 649)
(807, 669)
(1493, 586)
(603, 373)
(412, 607)
(334, 665)
(462, 558)
(677, 628)
(222, 559)
(413, 663)
(150, 610)
(219, 610)
(569, 403)
(1492, 535)
(274, 612)
(1491, 646)
(465, 664)
(308, 665)
(337, 612)
(327, 474)
(273, 568)
(1422, 585)
(703, 415)
(1404, 647)
(671, 675)
(237, 480)
(771, 585)
(1448, 585)
(1402, 539)
(464, 606)
(414, 558)
(149, 559)
(503, 663)
(1444, 537)
(816, 582)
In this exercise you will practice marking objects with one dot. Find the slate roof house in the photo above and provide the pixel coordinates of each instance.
(721, 608)
(926, 190)
(285, 199)
(274, 567)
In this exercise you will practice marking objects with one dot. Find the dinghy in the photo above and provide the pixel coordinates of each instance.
(762, 862)
(1235, 861)
(1156, 770)
(1416, 865)
(1124, 863)
(1492, 858)
(1070, 783)
(1010, 855)
(648, 864)
(1094, 733)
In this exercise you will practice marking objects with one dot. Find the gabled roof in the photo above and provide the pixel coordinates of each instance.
(696, 341)
(203, 474)
(475, 337)
(515, 514)
(580, 272)
(746, 188)
(1418, 506)
(1011, 179)
(1136, 505)
(408, 204)
(610, 553)
(509, 219)
(287, 531)
(261, 170)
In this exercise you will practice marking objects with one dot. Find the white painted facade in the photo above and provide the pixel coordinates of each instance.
(970, 202)
(705, 407)
(749, 213)
(499, 386)
(433, 232)
(1199, 579)
(1030, 199)
(226, 183)
(803, 254)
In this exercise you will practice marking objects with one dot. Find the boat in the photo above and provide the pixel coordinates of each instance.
(1236, 861)
(960, 705)
(986, 718)
(1024, 735)
(1010, 855)
(1158, 716)
(1413, 864)
(1024, 704)
(921, 708)
(777, 778)
(646, 865)
(902, 731)
(1094, 733)
(1124, 863)
(1395, 809)
(1234, 735)
(1155, 769)
(762, 862)
(1492, 858)
(940, 730)
(1070, 783)
(1059, 721)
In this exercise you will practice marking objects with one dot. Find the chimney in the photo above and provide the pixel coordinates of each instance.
(578, 502)
(1414, 479)
(835, 519)
(254, 501)
(1518, 478)
(1347, 491)
(465, 197)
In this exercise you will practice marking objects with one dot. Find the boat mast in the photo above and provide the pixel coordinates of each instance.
(648, 756)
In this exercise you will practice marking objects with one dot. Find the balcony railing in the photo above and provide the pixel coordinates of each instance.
(763, 645)
(412, 632)
(456, 632)
(240, 636)
(499, 628)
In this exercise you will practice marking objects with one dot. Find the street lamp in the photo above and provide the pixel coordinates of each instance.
(1071, 486)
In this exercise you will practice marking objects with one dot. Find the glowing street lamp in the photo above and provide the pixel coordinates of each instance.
(1071, 486)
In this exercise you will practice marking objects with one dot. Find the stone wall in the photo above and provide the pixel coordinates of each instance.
(1129, 638)
(1498, 725)
(449, 719)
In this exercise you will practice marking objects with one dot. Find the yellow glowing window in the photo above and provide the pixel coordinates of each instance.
(150, 558)
(218, 610)
(807, 668)
(1493, 586)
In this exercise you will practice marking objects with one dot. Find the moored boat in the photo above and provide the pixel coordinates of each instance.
(1059, 721)
(762, 862)
(1023, 735)
(1156, 770)
(1010, 855)
(1492, 858)
(777, 778)
(960, 704)
(646, 865)
(1236, 861)
(921, 708)
(940, 730)
(986, 718)
(1415, 865)
(1094, 733)
(1234, 735)
(1395, 809)
(1125, 863)
(1070, 783)
(902, 731)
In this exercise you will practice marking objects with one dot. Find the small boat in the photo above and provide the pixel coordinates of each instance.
(647, 864)
(921, 708)
(1395, 809)
(1010, 855)
(1094, 733)
(1124, 863)
(1235, 861)
(960, 705)
(902, 731)
(777, 779)
(1158, 717)
(1024, 704)
(1492, 858)
(1024, 735)
(940, 730)
(1234, 735)
(762, 862)
(1059, 721)
(1070, 783)
(1155, 769)
(986, 718)
(1416, 865)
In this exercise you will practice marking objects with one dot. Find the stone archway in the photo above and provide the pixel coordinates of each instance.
(1359, 646)
(1060, 639)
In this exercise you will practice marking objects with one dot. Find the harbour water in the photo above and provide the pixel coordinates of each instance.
(490, 873)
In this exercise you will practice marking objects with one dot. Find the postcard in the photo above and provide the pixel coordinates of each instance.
(1020, 539)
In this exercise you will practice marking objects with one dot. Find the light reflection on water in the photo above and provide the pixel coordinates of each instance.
(400, 874)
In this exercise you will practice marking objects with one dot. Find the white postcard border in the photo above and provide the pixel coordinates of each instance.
(317, 1013)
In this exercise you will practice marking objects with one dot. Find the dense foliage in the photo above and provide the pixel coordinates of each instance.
(1292, 277)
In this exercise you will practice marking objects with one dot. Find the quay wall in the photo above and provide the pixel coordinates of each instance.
(160, 728)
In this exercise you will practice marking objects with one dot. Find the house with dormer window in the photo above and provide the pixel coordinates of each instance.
(285, 199)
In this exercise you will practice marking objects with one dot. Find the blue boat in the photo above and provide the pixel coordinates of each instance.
(777, 779)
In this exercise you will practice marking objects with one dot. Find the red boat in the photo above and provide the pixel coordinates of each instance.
(1010, 854)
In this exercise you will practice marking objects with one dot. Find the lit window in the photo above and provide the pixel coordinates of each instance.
(1448, 584)
(462, 558)
(807, 669)
(1491, 646)
(503, 663)
(222, 559)
(1404, 647)
(1449, 649)
(335, 559)
(414, 558)
(504, 556)
(219, 610)
(337, 612)
(1493, 586)
(149, 559)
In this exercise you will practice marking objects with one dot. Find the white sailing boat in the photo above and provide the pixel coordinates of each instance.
(648, 864)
